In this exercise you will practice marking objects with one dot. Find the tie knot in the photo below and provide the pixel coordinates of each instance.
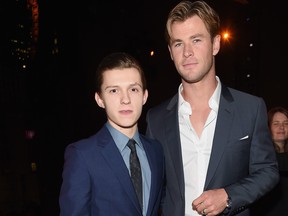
(131, 145)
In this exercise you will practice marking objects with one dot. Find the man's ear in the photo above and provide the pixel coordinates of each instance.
(99, 101)
(216, 44)
(145, 96)
(170, 52)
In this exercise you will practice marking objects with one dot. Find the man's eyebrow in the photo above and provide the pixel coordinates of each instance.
(131, 85)
(112, 86)
(135, 84)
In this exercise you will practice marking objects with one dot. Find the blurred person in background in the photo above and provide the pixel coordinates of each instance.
(278, 123)
(276, 202)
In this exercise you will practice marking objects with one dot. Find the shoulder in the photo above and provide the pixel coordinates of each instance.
(94, 141)
(232, 93)
(242, 94)
(241, 97)
(166, 105)
(243, 102)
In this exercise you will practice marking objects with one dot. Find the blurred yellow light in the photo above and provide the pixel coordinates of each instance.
(33, 167)
(226, 35)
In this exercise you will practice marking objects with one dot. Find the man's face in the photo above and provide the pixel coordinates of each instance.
(192, 49)
(122, 97)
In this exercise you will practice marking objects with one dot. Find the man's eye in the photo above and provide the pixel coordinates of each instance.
(113, 91)
(177, 44)
(134, 90)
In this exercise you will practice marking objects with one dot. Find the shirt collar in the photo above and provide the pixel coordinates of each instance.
(215, 98)
(121, 139)
(184, 107)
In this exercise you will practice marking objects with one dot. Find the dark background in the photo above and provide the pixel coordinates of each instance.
(52, 100)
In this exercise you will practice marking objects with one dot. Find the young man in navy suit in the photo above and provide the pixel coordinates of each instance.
(218, 151)
(96, 176)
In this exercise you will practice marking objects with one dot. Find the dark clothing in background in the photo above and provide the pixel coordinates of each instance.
(276, 202)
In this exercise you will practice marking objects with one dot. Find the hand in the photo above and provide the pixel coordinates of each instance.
(211, 202)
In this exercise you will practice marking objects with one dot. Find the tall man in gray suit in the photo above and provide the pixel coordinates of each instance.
(218, 150)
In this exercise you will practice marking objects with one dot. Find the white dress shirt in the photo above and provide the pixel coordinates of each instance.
(196, 150)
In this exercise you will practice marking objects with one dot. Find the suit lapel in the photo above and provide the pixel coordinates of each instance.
(114, 159)
(223, 125)
(172, 133)
(152, 160)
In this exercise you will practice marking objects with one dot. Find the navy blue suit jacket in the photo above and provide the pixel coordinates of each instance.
(96, 181)
(242, 158)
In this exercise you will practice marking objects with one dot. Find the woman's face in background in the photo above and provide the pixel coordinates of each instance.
(279, 127)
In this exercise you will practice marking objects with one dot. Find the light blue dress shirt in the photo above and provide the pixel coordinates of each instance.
(121, 140)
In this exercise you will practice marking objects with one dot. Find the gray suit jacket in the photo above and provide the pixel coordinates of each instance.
(242, 159)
